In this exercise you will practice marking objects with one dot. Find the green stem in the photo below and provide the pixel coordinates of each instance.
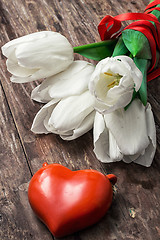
(96, 51)
(94, 45)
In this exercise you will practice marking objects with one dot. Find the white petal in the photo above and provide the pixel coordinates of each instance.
(127, 159)
(131, 158)
(9, 47)
(107, 64)
(151, 125)
(101, 139)
(147, 158)
(41, 96)
(38, 125)
(14, 68)
(124, 98)
(60, 118)
(70, 112)
(52, 53)
(117, 98)
(105, 146)
(114, 151)
(84, 127)
(16, 79)
(129, 128)
(135, 72)
(112, 83)
(73, 81)
(45, 56)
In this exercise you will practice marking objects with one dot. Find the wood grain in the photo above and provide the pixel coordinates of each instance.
(16, 218)
(135, 210)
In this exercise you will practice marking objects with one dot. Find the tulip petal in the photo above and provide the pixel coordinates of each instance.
(101, 139)
(129, 128)
(14, 68)
(128, 159)
(70, 112)
(73, 81)
(117, 98)
(41, 95)
(9, 47)
(60, 118)
(16, 79)
(39, 122)
(44, 55)
(113, 82)
(123, 97)
(105, 146)
(131, 158)
(38, 55)
(114, 151)
(134, 71)
(147, 158)
(84, 127)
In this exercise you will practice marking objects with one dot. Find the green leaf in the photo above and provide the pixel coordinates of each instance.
(96, 51)
(142, 64)
(120, 48)
(137, 44)
(156, 12)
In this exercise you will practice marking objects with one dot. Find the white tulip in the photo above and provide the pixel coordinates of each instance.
(112, 83)
(69, 112)
(73, 81)
(37, 55)
(70, 118)
(126, 135)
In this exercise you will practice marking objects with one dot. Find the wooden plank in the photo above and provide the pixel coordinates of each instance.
(17, 220)
(135, 210)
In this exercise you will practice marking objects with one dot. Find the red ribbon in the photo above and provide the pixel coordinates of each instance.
(110, 27)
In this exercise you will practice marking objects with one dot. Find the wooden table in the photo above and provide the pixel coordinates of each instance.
(135, 211)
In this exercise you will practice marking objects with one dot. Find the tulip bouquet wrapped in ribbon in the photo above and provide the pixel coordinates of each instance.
(111, 96)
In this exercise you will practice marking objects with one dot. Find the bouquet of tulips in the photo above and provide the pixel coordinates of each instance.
(110, 96)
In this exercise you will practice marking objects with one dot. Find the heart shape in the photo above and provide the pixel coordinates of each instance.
(68, 201)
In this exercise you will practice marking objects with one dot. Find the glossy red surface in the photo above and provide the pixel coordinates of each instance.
(68, 201)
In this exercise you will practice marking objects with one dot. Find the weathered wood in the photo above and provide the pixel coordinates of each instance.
(135, 210)
(17, 220)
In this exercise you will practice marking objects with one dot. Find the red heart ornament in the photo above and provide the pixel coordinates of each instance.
(68, 201)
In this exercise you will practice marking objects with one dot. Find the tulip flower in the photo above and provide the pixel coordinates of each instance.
(70, 117)
(70, 110)
(73, 81)
(79, 95)
(37, 55)
(126, 135)
(113, 82)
